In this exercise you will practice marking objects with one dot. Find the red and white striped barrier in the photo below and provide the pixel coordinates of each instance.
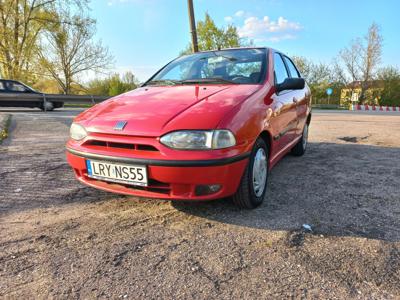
(374, 107)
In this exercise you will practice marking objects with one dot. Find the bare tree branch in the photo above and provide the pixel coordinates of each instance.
(69, 51)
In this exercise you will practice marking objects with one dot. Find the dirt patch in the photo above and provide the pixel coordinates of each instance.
(60, 239)
(353, 139)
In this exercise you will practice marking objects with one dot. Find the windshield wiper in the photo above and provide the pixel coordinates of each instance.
(163, 82)
(208, 80)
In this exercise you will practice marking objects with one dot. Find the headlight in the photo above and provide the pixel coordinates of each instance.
(77, 132)
(199, 139)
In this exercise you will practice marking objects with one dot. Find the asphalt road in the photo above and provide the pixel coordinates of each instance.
(60, 239)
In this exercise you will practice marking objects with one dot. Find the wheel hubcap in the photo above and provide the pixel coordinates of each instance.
(305, 136)
(259, 172)
(48, 106)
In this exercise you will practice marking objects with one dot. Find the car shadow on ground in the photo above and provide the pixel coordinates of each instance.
(337, 189)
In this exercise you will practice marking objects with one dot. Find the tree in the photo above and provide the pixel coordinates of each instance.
(338, 75)
(68, 50)
(21, 24)
(362, 58)
(371, 57)
(19, 28)
(113, 85)
(390, 94)
(304, 65)
(210, 37)
(351, 59)
(319, 77)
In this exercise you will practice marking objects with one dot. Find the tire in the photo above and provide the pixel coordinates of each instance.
(300, 148)
(49, 106)
(253, 185)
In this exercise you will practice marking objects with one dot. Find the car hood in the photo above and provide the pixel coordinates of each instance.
(153, 111)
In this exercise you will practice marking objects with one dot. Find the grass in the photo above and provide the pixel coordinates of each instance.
(4, 131)
(77, 105)
(329, 106)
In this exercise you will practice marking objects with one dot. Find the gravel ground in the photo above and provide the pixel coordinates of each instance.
(60, 239)
(4, 120)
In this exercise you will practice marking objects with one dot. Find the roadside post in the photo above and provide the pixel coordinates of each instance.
(192, 22)
(44, 103)
(354, 100)
(329, 92)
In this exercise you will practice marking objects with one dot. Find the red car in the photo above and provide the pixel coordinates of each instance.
(206, 126)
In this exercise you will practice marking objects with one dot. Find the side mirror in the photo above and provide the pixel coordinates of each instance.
(291, 84)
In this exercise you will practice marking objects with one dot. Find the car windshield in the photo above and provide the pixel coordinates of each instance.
(239, 66)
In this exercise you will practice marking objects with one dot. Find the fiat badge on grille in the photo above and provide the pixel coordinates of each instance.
(120, 125)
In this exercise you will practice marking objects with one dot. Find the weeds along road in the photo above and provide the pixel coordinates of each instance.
(60, 239)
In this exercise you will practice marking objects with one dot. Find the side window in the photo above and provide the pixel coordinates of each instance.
(279, 69)
(16, 87)
(292, 69)
(2, 87)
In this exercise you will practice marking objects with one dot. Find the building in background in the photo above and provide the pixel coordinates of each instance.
(351, 93)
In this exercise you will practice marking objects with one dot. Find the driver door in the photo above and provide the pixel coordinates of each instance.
(300, 97)
(287, 114)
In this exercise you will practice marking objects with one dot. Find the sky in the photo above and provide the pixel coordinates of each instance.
(144, 35)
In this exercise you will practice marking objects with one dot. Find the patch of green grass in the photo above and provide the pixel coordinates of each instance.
(329, 108)
(4, 131)
(77, 105)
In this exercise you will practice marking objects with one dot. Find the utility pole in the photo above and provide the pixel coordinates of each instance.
(192, 21)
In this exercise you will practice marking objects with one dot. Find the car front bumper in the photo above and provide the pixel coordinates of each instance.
(168, 179)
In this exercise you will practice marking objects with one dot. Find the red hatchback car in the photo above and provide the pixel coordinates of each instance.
(206, 126)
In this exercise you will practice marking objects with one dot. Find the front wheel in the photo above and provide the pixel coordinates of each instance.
(253, 185)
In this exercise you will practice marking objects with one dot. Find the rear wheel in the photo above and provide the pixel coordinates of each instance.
(253, 185)
(300, 148)
(47, 106)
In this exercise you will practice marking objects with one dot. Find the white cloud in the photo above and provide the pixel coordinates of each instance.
(278, 38)
(266, 29)
(228, 19)
(239, 13)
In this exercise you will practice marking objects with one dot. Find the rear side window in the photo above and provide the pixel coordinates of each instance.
(279, 69)
(2, 87)
(292, 68)
(16, 87)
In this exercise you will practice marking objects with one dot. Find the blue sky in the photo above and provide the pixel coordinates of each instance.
(143, 35)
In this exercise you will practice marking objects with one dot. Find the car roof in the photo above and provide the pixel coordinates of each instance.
(241, 48)
(9, 80)
(234, 48)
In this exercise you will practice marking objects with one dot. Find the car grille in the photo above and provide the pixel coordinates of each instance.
(113, 145)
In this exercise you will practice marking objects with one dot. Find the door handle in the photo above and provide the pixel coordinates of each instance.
(295, 100)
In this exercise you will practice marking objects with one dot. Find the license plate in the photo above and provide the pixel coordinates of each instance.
(120, 173)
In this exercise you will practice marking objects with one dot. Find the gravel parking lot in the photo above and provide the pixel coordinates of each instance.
(60, 239)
